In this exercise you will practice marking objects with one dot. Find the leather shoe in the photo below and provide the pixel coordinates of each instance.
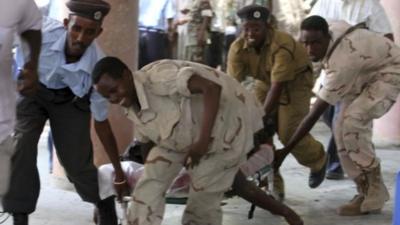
(106, 212)
(317, 177)
(20, 218)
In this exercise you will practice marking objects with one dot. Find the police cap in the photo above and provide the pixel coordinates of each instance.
(253, 12)
(92, 9)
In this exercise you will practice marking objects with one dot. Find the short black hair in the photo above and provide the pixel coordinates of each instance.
(109, 65)
(316, 23)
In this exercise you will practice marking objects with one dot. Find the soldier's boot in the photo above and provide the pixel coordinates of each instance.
(376, 194)
(353, 208)
(278, 187)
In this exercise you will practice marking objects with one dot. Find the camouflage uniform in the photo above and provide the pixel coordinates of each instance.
(365, 77)
(171, 117)
(199, 9)
(367, 85)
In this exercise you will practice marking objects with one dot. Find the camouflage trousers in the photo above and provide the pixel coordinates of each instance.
(209, 181)
(353, 127)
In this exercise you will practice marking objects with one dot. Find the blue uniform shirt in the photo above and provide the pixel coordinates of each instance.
(55, 73)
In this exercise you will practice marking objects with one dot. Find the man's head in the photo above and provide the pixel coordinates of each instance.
(84, 24)
(315, 37)
(254, 24)
(114, 81)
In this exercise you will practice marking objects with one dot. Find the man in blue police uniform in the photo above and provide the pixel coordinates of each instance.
(65, 98)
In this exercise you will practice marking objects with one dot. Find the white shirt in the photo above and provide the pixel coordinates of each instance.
(353, 12)
(154, 13)
(16, 16)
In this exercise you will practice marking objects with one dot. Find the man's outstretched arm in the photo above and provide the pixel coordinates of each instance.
(302, 130)
(211, 92)
(107, 138)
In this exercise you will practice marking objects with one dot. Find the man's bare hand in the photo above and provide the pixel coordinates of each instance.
(195, 153)
(122, 189)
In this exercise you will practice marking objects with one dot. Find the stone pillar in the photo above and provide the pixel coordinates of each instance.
(119, 38)
(387, 128)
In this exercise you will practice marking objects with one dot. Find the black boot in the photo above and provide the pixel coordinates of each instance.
(106, 212)
(20, 218)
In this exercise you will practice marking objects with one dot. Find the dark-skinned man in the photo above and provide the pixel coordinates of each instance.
(283, 80)
(362, 72)
(187, 114)
(65, 97)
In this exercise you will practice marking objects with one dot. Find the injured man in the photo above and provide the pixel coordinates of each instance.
(199, 119)
(257, 163)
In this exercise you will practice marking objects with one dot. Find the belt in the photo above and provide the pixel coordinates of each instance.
(57, 96)
(62, 91)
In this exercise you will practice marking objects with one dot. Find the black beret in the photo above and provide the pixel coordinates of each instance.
(93, 9)
(253, 12)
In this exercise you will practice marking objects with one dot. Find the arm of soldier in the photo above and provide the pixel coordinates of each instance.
(211, 92)
(99, 108)
(107, 138)
(302, 130)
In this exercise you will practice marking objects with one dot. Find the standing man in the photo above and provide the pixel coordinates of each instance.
(156, 30)
(365, 78)
(283, 82)
(198, 29)
(20, 17)
(372, 14)
(65, 98)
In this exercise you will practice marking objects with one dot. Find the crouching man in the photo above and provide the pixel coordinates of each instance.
(197, 118)
(362, 72)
